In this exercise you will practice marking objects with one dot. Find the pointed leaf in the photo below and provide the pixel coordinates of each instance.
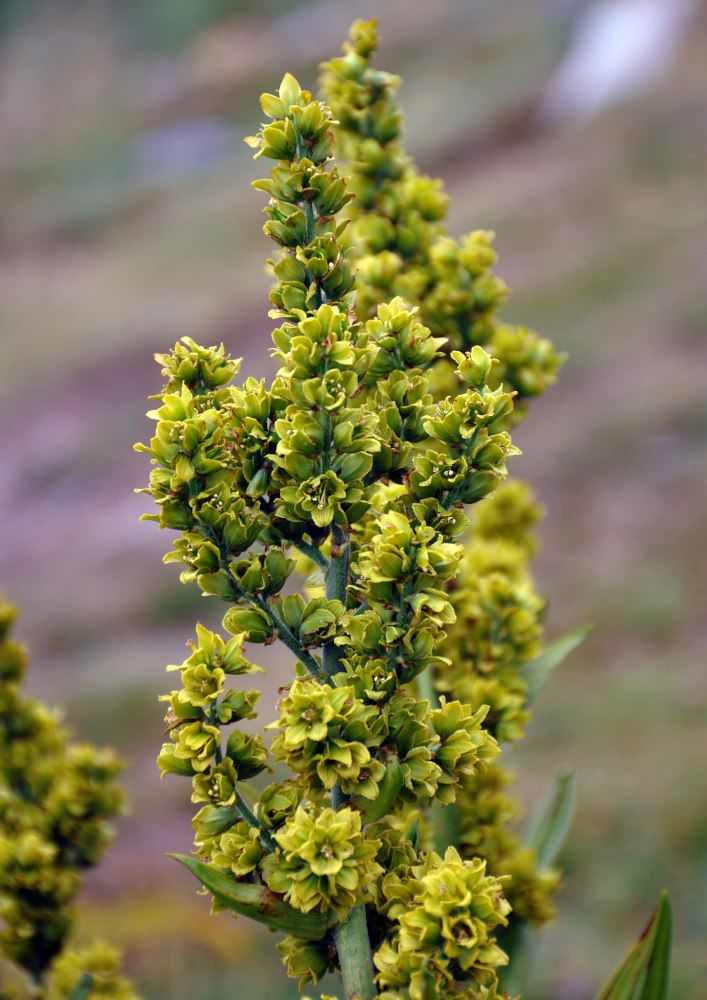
(656, 987)
(536, 672)
(549, 829)
(645, 970)
(258, 902)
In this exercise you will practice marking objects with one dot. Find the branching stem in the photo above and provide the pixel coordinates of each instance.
(313, 553)
(250, 818)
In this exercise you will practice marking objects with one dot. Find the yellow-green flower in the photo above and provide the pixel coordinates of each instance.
(325, 862)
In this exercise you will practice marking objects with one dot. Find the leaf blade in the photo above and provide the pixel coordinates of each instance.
(644, 973)
(548, 831)
(537, 672)
(258, 902)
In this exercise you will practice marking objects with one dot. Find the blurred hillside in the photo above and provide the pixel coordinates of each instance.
(128, 222)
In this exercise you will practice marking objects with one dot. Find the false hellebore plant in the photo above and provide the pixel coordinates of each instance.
(416, 633)
(56, 800)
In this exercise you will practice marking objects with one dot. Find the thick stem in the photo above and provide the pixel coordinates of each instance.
(445, 826)
(351, 938)
(426, 687)
(443, 817)
(354, 950)
(337, 580)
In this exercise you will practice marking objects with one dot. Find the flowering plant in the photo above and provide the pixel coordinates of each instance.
(56, 799)
(334, 509)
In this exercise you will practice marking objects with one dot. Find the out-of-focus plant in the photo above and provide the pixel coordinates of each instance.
(331, 510)
(57, 797)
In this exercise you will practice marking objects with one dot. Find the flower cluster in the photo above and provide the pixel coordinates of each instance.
(397, 228)
(56, 800)
(444, 912)
(498, 629)
(198, 714)
(99, 962)
(326, 861)
(387, 421)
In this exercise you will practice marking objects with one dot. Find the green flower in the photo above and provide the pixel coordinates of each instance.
(196, 743)
(307, 961)
(464, 745)
(454, 910)
(200, 369)
(325, 861)
(323, 729)
(239, 850)
(307, 711)
(218, 785)
(319, 499)
(445, 912)
(101, 962)
(277, 803)
(505, 696)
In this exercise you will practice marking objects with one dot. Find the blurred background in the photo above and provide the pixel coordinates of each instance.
(574, 128)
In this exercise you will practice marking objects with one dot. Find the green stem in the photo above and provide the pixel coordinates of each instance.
(354, 950)
(453, 495)
(426, 687)
(250, 818)
(283, 631)
(310, 222)
(351, 938)
(443, 818)
(337, 580)
(446, 827)
(403, 619)
(313, 553)
(337, 796)
(281, 628)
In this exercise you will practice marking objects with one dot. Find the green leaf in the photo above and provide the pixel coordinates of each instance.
(548, 830)
(536, 672)
(645, 971)
(258, 902)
